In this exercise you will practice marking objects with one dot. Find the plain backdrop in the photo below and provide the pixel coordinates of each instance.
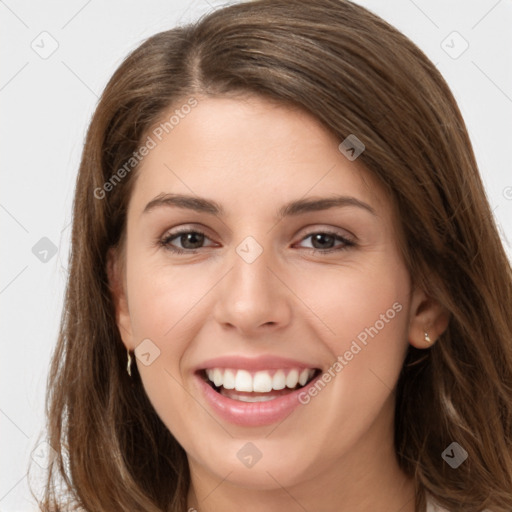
(56, 59)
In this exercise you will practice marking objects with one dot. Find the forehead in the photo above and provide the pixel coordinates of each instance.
(249, 152)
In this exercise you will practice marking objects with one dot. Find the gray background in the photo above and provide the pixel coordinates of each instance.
(47, 100)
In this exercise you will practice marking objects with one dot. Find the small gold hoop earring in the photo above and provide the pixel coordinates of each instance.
(129, 365)
(427, 337)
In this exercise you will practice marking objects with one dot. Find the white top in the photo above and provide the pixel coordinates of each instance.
(432, 507)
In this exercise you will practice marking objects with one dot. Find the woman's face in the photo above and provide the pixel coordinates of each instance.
(270, 286)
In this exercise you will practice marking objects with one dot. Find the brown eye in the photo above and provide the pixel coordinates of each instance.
(190, 241)
(323, 241)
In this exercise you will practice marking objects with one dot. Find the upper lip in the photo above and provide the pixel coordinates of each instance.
(264, 362)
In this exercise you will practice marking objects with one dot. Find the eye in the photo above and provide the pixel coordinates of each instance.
(322, 241)
(191, 240)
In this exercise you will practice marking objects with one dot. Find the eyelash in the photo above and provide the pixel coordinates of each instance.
(165, 241)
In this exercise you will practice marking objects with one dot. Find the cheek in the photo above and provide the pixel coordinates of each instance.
(368, 313)
(163, 299)
(167, 306)
(164, 308)
(350, 298)
(364, 318)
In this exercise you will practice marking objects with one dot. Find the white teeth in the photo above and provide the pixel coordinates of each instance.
(303, 377)
(248, 398)
(279, 380)
(243, 381)
(292, 379)
(262, 382)
(229, 379)
(217, 377)
(259, 382)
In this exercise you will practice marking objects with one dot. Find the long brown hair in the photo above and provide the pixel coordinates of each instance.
(357, 75)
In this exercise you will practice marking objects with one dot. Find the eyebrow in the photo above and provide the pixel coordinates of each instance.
(293, 208)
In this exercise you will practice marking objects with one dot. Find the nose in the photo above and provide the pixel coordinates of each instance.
(253, 297)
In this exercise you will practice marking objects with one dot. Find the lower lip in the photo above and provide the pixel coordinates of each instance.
(252, 414)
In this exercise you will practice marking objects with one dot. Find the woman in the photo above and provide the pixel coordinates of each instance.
(286, 289)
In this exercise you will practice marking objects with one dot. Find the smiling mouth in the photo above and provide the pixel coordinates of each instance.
(261, 386)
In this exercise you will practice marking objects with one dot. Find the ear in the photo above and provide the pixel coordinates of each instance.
(118, 291)
(426, 316)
